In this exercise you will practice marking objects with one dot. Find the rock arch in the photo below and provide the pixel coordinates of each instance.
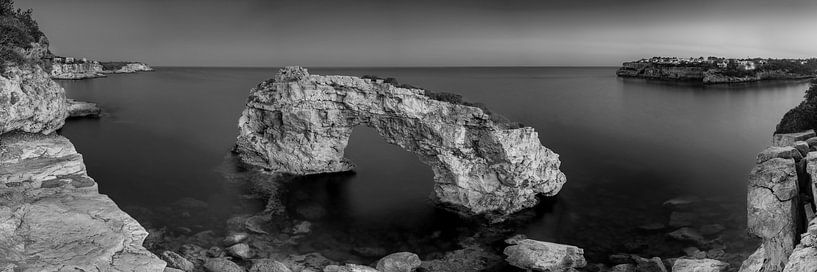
(299, 123)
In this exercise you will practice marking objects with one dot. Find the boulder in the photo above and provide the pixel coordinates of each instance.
(544, 256)
(349, 268)
(699, 265)
(221, 265)
(399, 262)
(788, 139)
(300, 124)
(773, 209)
(268, 265)
(240, 250)
(688, 234)
(177, 261)
(653, 264)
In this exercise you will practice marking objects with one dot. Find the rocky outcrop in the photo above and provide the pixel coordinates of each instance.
(804, 256)
(300, 123)
(124, 67)
(544, 256)
(699, 265)
(69, 68)
(31, 101)
(78, 109)
(52, 216)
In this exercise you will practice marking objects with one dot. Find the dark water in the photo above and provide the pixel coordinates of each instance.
(626, 146)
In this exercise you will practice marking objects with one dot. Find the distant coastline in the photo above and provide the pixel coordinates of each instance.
(714, 70)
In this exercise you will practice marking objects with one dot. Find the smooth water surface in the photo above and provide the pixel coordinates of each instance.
(625, 145)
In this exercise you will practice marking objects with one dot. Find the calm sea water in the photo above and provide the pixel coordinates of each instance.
(625, 145)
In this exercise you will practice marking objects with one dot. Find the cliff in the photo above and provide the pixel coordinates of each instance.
(75, 70)
(52, 217)
(300, 124)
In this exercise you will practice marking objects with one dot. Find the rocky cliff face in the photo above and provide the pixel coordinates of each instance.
(52, 218)
(300, 123)
(780, 201)
(652, 71)
(79, 70)
(30, 101)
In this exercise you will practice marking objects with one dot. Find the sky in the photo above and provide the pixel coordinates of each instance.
(423, 32)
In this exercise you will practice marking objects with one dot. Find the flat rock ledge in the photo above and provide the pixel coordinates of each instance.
(52, 218)
(299, 123)
(82, 109)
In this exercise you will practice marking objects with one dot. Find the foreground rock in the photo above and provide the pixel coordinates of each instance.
(804, 256)
(772, 207)
(78, 109)
(52, 216)
(544, 256)
(299, 123)
(699, 265)
(399, 262)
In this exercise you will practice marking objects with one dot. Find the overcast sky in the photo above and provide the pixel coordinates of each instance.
(423, 33)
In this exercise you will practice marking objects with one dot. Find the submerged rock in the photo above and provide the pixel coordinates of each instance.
(53, 218)
(176, 261)
(268, 265)
(77, 109)
(221, 265)
(399, 262)
(470, 258)
(544, 256)
(699, 265)
(688, 234)
(240, 250)
(349, 268)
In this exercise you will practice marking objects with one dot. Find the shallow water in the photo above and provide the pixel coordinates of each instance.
(626, 146)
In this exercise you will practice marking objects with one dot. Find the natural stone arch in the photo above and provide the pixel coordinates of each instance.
(299, 123)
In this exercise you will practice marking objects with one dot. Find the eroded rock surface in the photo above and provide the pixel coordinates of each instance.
(772, 207)
(299, 123)
(52, 216)
(30, 101)
(544, 256)
(78, 109)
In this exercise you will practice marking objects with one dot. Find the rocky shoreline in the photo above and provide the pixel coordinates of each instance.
(696, 74)
(74, 68)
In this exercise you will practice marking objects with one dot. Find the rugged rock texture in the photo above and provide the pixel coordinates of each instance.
(125, 67)
(52, 217)
(61, 69)
(299, 123)
(773, 209)
(804, 257)
(30, 101)
(699, 265)
(399, 262)
(77, 109)
(544, 256)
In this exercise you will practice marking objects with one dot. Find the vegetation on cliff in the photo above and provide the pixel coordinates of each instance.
(804, 116)
(19, 31)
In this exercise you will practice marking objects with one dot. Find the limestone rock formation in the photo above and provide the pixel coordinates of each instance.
(52, 216)
(300, 123)
(70, 68)
(30, 101)
(699, 265)
(544, 256)
(804, 256)
(77, 109)
(124, 67)
(772, 207)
